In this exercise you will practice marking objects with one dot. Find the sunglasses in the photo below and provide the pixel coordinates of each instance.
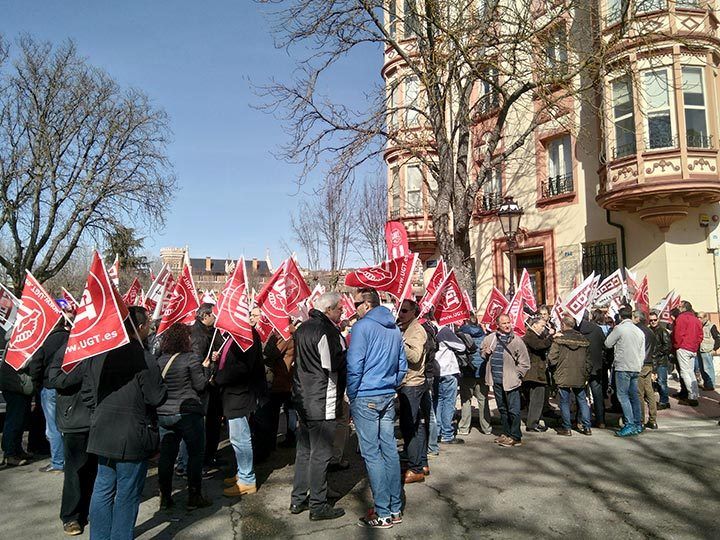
(404, 310)
(653, 320)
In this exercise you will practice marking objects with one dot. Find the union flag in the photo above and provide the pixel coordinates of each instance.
(182, 303)
(393, 276)
(497, 303)
(435, 281)
(233, 315)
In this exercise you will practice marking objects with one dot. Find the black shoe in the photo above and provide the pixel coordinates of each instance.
(196, 500)
(166, 502)
(455, 440)
(651, 425)
(289, 442)
(300, 508)
(339, 466)
(708, 388)
(679, 395)
(586, 431)
(663, 406)
(688, 402)
(326, 512)
(537, 429)
(564, 432)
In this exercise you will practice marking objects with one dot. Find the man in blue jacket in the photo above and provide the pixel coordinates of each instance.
(376, 365)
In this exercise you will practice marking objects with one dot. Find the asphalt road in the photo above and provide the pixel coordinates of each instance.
(662, 484)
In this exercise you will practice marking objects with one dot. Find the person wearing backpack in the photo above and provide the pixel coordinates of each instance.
(181, 416)
(473, 382)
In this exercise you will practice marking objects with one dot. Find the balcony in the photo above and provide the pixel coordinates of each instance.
(487, 103)
(555, 186)
(662, 181)
(489, 202)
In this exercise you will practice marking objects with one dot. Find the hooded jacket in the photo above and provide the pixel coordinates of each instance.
(570, 356)
(376, 361)
(320, 373)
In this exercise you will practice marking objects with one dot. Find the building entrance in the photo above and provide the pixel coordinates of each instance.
(534, 263)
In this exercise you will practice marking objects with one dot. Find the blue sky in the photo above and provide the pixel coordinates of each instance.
(199, 61)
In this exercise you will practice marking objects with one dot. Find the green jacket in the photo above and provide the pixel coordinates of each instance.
(570, 357)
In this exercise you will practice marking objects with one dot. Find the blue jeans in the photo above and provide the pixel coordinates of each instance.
(374, 418)
(508, 404)
(48, 398)
(583, 407)
(626, 383)
(241, 441)
(707, 368)
(116, 499)
(447, 395)
(662, 375)
(432, 443)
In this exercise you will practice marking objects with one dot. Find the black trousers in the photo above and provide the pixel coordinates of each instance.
(312, 455)
(414, 402)
(536, 400)
(213, 424)
(173, 429)
(79, 478)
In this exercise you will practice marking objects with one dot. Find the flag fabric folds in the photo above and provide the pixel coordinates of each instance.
(580, 298)
(183, 301)
(497, 303)
(98, 326)
(133, 296)
(396, 240)
(393, 276)
(526, 290)
(435, 281)
(234, 314)
(37, 315)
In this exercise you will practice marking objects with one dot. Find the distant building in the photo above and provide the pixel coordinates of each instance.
(211, 274)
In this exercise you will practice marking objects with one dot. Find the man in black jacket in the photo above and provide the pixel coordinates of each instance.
(318, 387)
(594, 334)
(73, 421)
(662, 358)
(122, 388)
(241, 378)
(645, 381)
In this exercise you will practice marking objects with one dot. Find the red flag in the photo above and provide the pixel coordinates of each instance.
(435, 281)
(468, 302)
(673, 304)
(166, 292)
(579, 298)
(449, 302)
(183, 301)
(349, 309)
(272, 302)
(515, 311)
(296, 290)
(641, 298)
(557, 312)
(114, 272)
(155, 292)
(98, 326)
(394, 277)
(234, 314)
(36, 317)
(70, 299)
(525, 288)
(497, 304)
(631, 284)
(133, 296)
(152, 276)
(396, 240)
(264, 328)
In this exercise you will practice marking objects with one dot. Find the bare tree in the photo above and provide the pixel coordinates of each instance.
(372, 215)
(478, 66)
(79, 156)
(307, 234)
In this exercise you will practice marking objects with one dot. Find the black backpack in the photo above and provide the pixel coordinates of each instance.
(465, 358)
(432, 368)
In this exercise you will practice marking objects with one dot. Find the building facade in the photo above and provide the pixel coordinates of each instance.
(634, 182)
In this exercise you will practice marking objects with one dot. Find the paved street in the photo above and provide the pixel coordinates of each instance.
(663, 484)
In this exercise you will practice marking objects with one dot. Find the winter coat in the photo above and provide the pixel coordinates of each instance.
(320, 369)
(185, 380)
(448, 344)
(537, 347)
(10, 380)
(628, 343)
(201, 337)
(122, 389)
(687, 332)
(280, 357)
(662, 352)
(71, 414)
(241, 378)
(376, 362)
(569, 356)
(414, 337)
(595, 335)
(516, 361)
(649, 344)
(477, 334)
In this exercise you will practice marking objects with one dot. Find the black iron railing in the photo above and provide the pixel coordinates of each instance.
(699, 140)
(624, 150)
(661, 140)
(558, 185)
(490, 201)
(394, 214)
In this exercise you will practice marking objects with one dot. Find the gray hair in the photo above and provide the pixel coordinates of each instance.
(567, 321)
(327, 300)
(639, 315)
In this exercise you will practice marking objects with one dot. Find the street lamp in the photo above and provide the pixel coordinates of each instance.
(509, 214)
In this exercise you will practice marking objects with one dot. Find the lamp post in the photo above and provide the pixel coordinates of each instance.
(509, 214)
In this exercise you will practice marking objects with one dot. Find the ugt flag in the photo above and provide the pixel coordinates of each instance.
(133, 296)
(436, 280)
(394, 277)
(182, 303)
(98, 326)
(449, 302)
(497, 303)
(36, 317)
(396, 240)
(234, 314)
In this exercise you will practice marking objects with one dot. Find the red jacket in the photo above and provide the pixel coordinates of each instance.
(687, 332)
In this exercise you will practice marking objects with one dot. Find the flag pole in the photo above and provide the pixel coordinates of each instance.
(212, 340)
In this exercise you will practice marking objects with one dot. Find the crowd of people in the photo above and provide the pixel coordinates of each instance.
(166, 398)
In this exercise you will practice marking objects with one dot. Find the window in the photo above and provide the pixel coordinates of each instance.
(556, 52)
(560, 177)
(412, 89)
(658, 120)
(694, 98)
(687, 3)
(412, 25)
(392, 16)
(395, 192)
(432, 188)
(599, 257)
(413, 191)
(616, 9)
(624, 118)
(488, 90)
(492, 190)
(393, 106)
(646, 6)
